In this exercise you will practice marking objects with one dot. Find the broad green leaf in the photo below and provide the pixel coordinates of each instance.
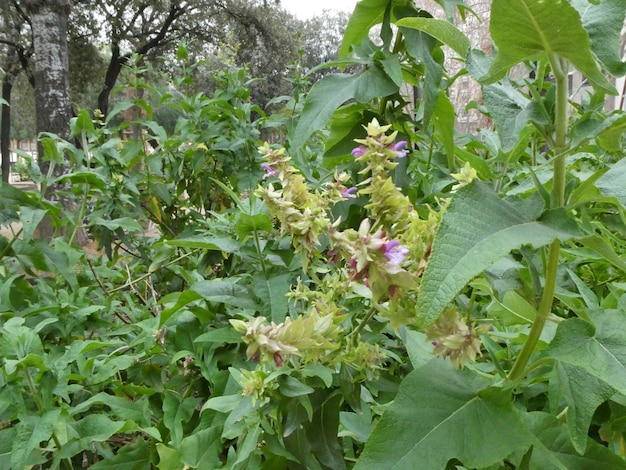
(600, 351)
(323, 434)
(220, 335)
(442, 30)
(272, 294)
(417, 347)
(169, 459)
(82, 123)
(512, 310)
(31, 432)
(227, 245)
(225, 291)
(524, 29)
(506, 106)
(92, 428)
(440, 414)
(292, 387)
(183, 298)
(367, 14)
(7, 437)
(604, 21)
(612, 182)
(125, 223)
(30, 219)
(177, 410)
(553, 449)
(333, 90)
(477, 229)
(443, 118)
(201, 450)
(136, 410)
(248, 224)
(135, 456)
(249, 444)
(583, 393)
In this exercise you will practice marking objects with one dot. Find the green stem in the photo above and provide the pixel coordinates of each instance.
(81, 214)
(517, 372)
(559, 67)
(368, 316)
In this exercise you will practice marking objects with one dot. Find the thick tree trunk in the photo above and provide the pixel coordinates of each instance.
(52, 89)
(5, 128)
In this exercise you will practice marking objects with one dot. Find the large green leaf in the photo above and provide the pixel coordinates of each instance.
(177, 410)
(335, 89)
(506, 106)
(442, 30)
(323, 434)
(600, 351)
(477, 229)
(612, 182)
(31, 431)
(553, 449)
(604, 21)
(367, 13)
(135, 456)
(523, 29)
(225, 291)
(201, 449)
(583, 393)
(272, 293)
(440, 414)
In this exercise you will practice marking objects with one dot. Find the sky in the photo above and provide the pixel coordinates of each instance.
(305, 9)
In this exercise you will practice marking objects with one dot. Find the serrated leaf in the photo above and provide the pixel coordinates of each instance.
(477, 229)
(523, 29)
(599, 351)
(441, 30)
(434, 406)
(583, 393)
(333, 90)
(604, 21)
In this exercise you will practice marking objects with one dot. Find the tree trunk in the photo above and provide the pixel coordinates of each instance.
(5, 127)
(52, 89)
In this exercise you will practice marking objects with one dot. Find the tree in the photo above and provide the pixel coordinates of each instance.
(18, 48)
(52, 88)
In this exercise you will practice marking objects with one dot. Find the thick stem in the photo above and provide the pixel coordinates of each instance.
(517, 372)
(559, 66)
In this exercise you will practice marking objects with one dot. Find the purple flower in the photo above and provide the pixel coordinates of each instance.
(395, 252)
(398, 148)
(270, 171)
(348, 193)
(359, 151)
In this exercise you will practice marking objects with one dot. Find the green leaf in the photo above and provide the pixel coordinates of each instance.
(506, 106)
(553, 449)
(583, 393)
(323, 431)
(219, 335)
(125, 223)
(136, 410)
(367, 14)
(477, 229)
(176, 412)
(169, 459)
(292, 387)
(183, 298)
(612, 182)
(523, 29)
(201, 450)
(440, 414)
(604, 21)
(135, 456)
(82, 123)
(90, 429)
(333, 90)
(442, 30)
(443, 119)
(227, 245)
(599, 351)
(248, 224)
(272, 294)
(30, 219)
(31, 431)
(225, 291)
(602, 247)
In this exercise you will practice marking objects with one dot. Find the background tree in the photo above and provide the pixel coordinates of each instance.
(17, 45)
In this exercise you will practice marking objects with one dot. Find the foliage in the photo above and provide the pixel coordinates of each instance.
(373, 291)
